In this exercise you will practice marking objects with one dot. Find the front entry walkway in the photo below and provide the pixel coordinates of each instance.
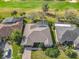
(26, 54)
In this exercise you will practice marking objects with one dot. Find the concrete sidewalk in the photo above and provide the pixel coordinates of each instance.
(26, 54)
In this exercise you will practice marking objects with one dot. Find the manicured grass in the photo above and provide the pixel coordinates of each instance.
(41, 55)
(7, 7)
(35, 4)
(16, 52)
(20, 4)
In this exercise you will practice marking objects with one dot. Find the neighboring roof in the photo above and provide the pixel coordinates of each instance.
(76, 42)
(11, 20)
(6, 29)
(67, 33)
(43, 23)
(37, 34)
(61, 30)
(63, 25)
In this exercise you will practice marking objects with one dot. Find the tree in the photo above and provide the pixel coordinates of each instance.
(41, 45)
(70, 53)
(52, 52)
(16, 36)
(51, 25)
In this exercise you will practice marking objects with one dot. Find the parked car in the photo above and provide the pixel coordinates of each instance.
(7, 54)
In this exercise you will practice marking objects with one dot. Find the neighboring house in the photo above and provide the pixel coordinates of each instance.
(73, 1)
(35, 34)
(10, 24)
(67, 33)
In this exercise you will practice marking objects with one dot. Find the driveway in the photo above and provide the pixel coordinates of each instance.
(26, 54)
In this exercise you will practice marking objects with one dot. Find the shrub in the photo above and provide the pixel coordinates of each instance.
(69, 44)
(16, 36)
(52, 52)
(70, 53)
(13, 13)
(22, 14)
(22, 49)
(42, 46)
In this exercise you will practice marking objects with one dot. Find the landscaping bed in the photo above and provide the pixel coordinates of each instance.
(16, 52)
(41, 55)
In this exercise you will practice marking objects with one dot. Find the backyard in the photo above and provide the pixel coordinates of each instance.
(38, 4)
(8, 7)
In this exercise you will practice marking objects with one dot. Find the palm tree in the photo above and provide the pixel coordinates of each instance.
(45, 7)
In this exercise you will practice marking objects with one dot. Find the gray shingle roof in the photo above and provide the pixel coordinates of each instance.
(61, 30)
(37, 34)
(68, 34)
(11, 20)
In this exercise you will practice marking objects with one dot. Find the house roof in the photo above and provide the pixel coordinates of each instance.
(6, 29)
(69, 36)
(11, 20)
(37, 34)
(63, 25)
(67, 33)
(61, 30)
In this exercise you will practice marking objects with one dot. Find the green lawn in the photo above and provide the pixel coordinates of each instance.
(35, 4)
(41, 55)
(16, 52)
(7, 7)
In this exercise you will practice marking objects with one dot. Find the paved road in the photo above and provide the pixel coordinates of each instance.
(26, 54)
